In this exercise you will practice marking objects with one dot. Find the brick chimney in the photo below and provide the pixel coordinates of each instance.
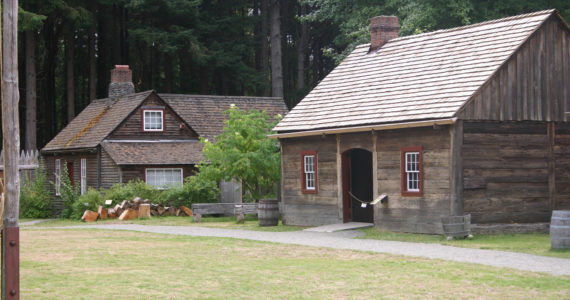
(121, 81)
(383, 29)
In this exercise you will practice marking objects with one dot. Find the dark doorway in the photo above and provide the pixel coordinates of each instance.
(357, 186)
(69, 166)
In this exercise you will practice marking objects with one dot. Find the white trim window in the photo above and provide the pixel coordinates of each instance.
(413, 171)
(309, 165)
(164, 177)
(83, 181)
(153, 120)
(57, 173)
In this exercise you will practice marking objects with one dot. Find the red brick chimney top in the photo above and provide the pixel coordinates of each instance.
(383, 29)
(121, 73)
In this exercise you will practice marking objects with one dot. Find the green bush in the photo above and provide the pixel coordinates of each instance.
(128, 191)
(69, 194)
(35, 199)
(90, 200)
(196, 189)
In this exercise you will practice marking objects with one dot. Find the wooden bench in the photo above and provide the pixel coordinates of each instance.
(236, 209)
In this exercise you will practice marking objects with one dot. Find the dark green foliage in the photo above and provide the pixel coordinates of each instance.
(90, 200)
(129, 191)
(196, 189)
(69, 194)
(35, 199)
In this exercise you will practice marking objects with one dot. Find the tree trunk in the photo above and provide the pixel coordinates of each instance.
(167, 73)
(92, 65)
(30, 36)
(276, 64)
(69, 67)
(264, 57)
(302, 51)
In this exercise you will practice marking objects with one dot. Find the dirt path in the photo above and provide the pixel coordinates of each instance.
(345, 240)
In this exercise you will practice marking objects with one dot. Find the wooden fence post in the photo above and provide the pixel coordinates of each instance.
(11, 145)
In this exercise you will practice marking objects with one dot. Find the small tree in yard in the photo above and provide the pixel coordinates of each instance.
(244, 152)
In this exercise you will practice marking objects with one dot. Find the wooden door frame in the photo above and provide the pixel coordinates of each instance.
(346, 182)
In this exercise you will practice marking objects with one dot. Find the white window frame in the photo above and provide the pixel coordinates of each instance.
(145, 111)
(164, 186)
(57, 173)
(83, 180)
(412, 171)
(309, 170)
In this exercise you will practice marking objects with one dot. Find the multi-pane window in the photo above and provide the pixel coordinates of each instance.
(83, 180)
(57, 173)
(309, 171)
(153, 120)
(412, 171)
(164, 177)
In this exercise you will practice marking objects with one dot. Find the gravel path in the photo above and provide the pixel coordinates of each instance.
(345, 240)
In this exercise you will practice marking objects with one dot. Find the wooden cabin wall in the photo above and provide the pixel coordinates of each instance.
(532, 85)
(561, 154)
(109, 170)
(506, 172)
(309, 209)
(131, 128)
(414, 214)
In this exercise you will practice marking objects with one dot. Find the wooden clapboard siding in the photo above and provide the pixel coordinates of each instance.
(109, 170)
(506, 172)
(414, 214)
(129, 173)
(309, 209)
(131, 127)
(532, 84)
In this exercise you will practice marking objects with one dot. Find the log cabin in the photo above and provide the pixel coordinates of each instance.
(468, 120)
(149, 136)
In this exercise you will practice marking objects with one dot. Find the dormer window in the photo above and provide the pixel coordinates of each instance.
(153, 120)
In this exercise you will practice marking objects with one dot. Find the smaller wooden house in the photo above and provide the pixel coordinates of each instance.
(146, 135)
(471, 119)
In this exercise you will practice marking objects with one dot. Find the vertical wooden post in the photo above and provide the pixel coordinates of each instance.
(551, 133)
(456, 170)
(11, 145)
(339, 177)
(374, 170)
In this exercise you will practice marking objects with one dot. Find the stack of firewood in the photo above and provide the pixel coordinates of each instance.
(136, 208)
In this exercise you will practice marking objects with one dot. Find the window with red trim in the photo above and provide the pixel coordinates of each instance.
(153, 120)
(309, 172)
(412, 171)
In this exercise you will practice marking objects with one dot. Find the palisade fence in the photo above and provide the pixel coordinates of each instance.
(29, 161)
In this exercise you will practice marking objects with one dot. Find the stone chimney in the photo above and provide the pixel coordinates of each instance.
(383, 29)
(121, 81)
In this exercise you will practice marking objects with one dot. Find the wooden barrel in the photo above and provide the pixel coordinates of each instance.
(456, 226)
(268, 212)
(560, 229)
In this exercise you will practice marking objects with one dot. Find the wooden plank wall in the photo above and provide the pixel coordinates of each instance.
(561, 151)
(131, 128)
(505, 169)
(532, 85)
(309, 209)
(109, 170)
(129, 173)
(414, 214)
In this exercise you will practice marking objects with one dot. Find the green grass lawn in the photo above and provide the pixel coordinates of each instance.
(250, 223)
(538, 244)
(94, 264)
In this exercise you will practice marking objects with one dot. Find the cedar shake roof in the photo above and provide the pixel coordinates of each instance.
(95, 122)
(154, 153)
(421, 77)
(205, 114)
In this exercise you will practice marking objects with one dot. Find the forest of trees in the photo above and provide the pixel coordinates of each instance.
(220, 47)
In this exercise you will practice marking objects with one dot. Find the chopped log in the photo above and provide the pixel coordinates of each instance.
(118, 210)
(161, 210)
(186, 210)
(134, 206)
(108, 202)
(172, 211)
(89, 216)
(197, 218)
(124, 205)
(146, 201)
(111, 214)
(153, 213)
(137, 200)
(102, 212)
(129, 214)
(144, 211)
(178, 212)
